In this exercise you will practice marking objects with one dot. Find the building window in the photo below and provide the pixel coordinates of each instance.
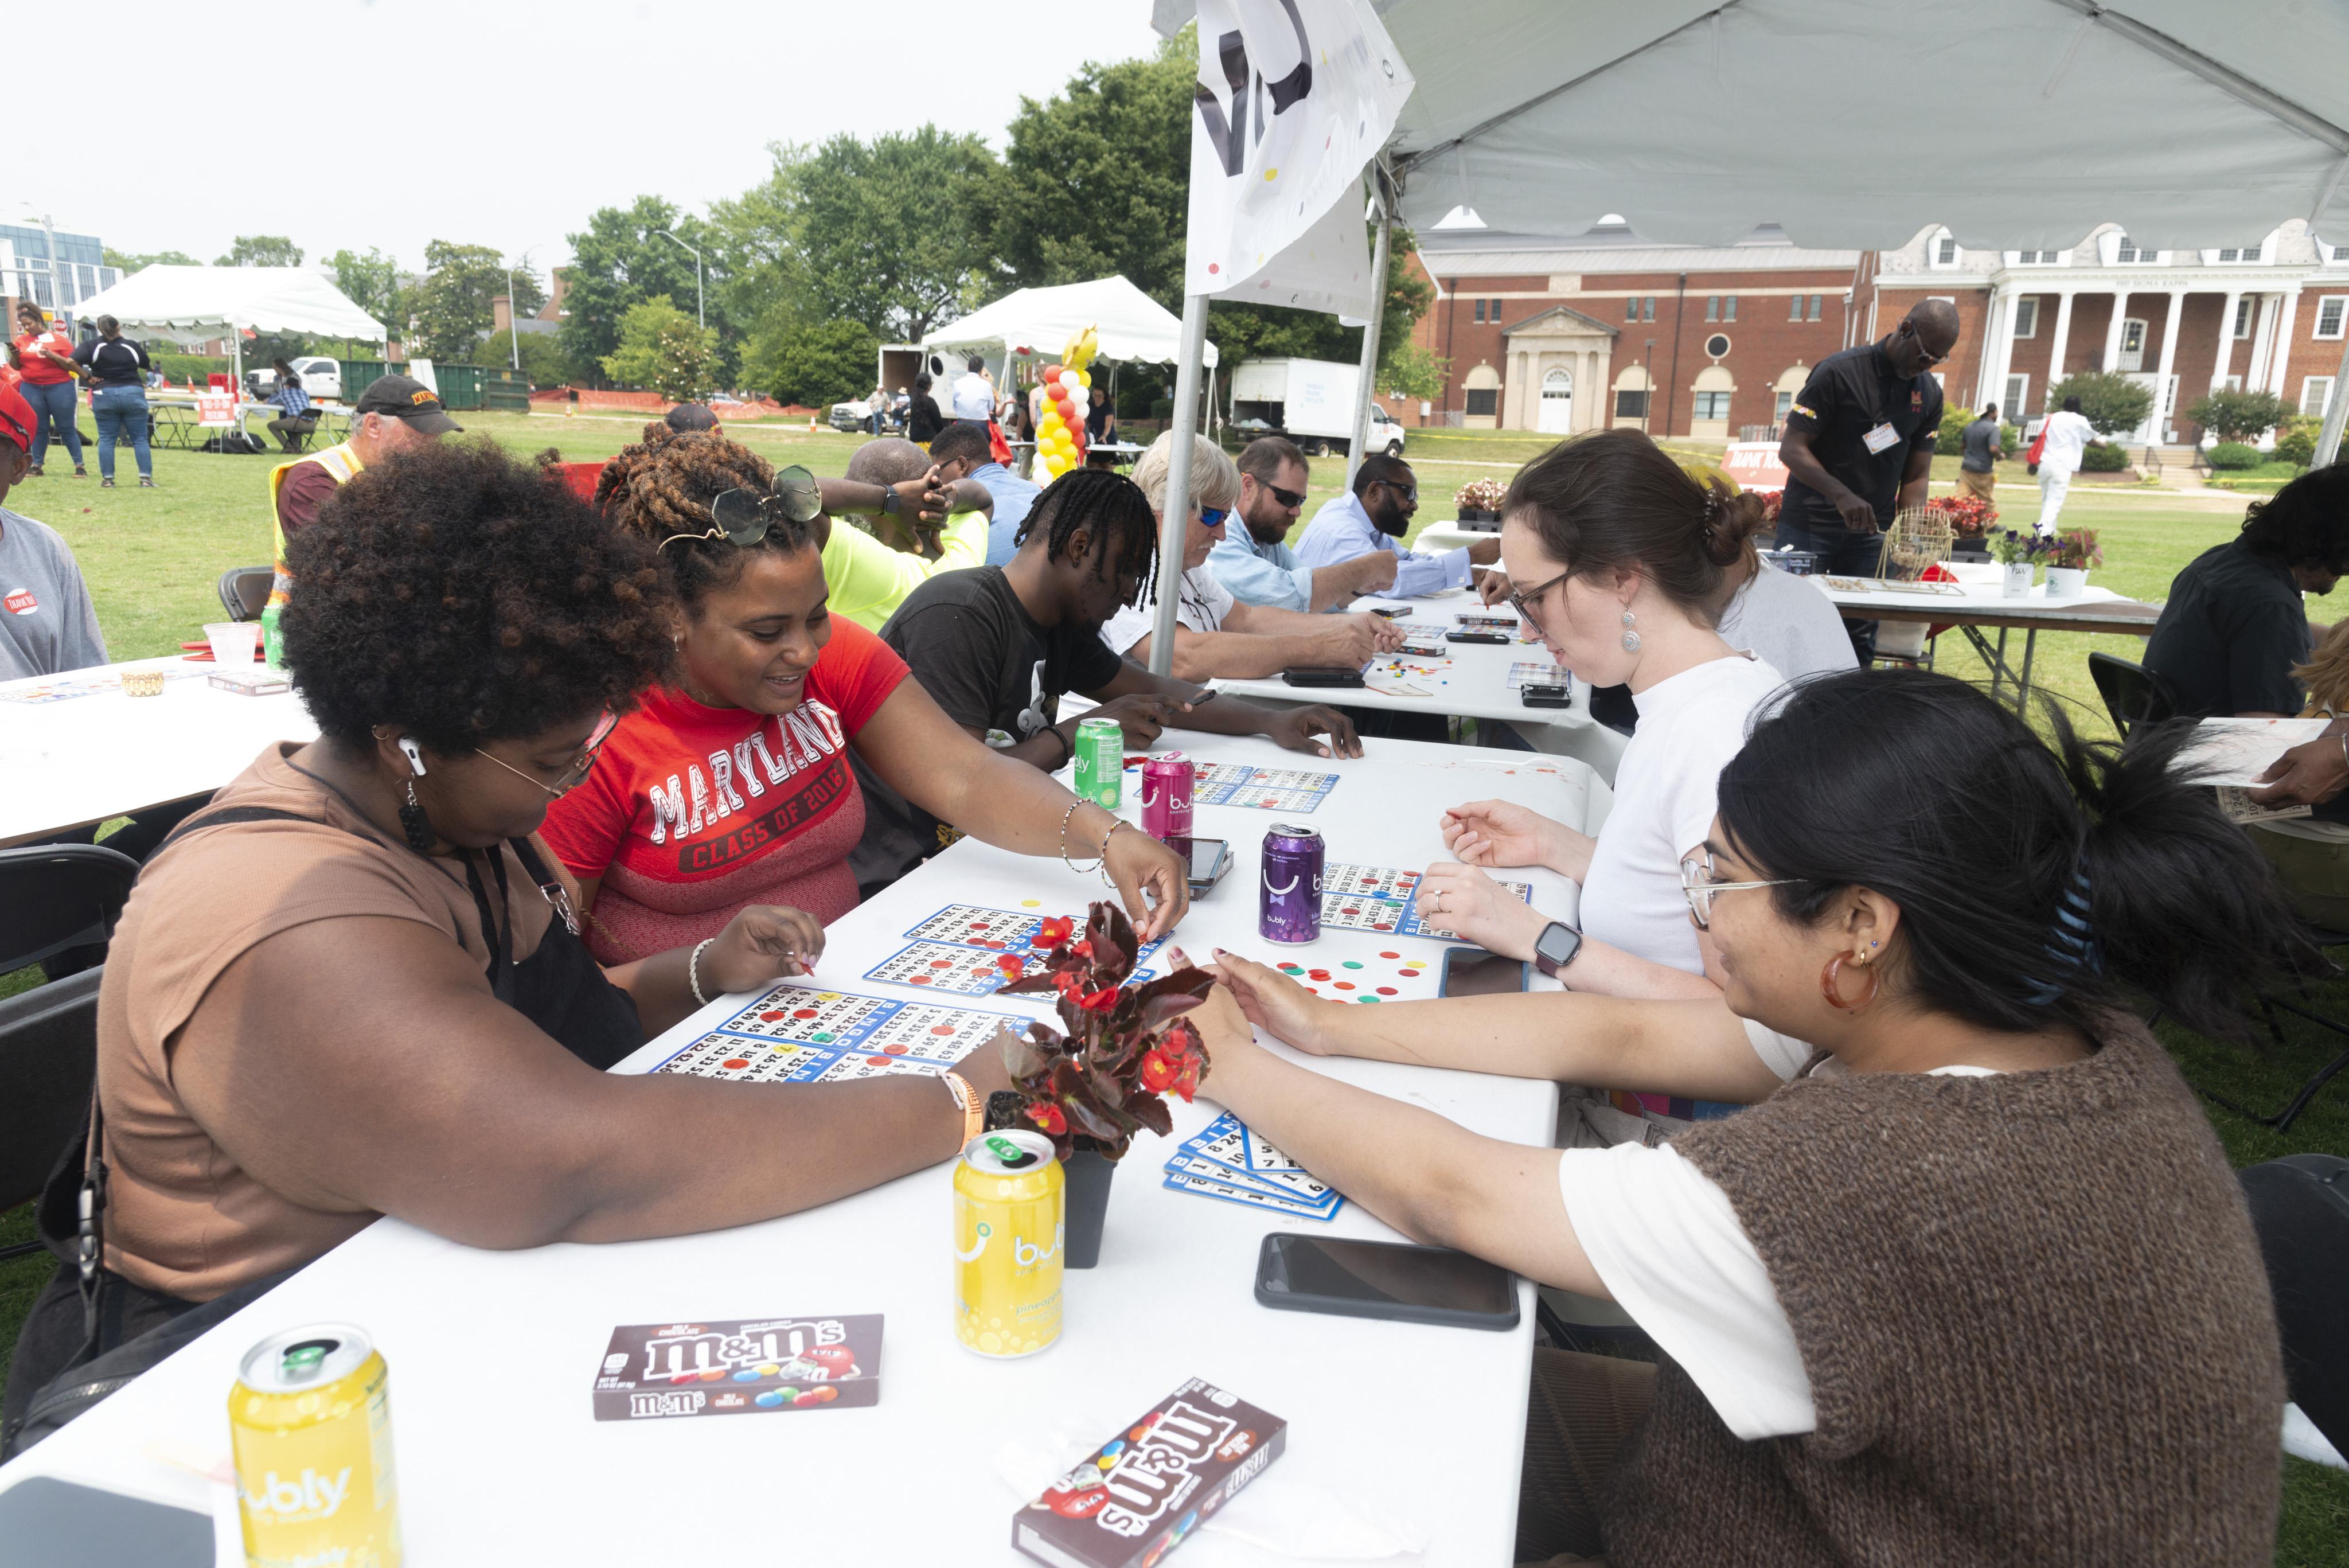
(2328, 310)
(2132, 337)
(1631, 308)
(1483, 402)
(1713, 307)
(1795, 310)
(1493, 311)
(1712, 406)
(2018, 395)
(2036, 258)
(1817, 300)
(2126, 252)
(1480, 313)
(1945, 251)
(1648, 308)
(2026, 317)
(2315, 393)
(1631, 404)
(1786, 403)
(2243, 316)
(2247, 252)
(1729, 308)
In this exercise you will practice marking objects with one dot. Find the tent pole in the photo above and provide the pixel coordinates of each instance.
(1368, 389)
(1175, 524)
(2336, 410)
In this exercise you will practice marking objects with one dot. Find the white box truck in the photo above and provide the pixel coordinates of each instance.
(1310, 401)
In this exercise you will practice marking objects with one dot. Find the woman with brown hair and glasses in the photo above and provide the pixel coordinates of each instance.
(731, 786)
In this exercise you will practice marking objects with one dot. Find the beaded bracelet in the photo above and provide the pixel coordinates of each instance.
(1064, 840)
(1103, 854)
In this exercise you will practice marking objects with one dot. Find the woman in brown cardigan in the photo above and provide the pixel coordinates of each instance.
(1973, 1284)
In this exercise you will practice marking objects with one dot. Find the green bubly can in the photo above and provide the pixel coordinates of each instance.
(1100, 761)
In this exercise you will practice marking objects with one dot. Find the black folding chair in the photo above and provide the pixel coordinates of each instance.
(57, 897)
(2268, 1003)
(244, 591)
(2133, 694)
(48, 1055)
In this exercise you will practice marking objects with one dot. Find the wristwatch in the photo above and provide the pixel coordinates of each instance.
(890, 501)
(1555, 947)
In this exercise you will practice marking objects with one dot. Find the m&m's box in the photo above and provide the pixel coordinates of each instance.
(654, 1371)
(1140, 1494)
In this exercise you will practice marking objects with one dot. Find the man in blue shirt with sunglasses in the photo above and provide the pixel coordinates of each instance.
(1258, 567)
(1375, 517)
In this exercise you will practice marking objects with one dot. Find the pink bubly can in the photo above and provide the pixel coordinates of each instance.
(1166, 784)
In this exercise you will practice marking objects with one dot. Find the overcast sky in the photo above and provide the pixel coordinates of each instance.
(391, 123)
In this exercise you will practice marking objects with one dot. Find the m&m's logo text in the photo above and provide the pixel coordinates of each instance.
(1156, 1474)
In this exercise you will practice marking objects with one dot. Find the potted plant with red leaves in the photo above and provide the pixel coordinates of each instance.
(1092, 1088)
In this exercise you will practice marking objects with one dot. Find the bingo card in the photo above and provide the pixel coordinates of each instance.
(1290, 790)
(1376, 899)
(796, 1033)
(954, 951)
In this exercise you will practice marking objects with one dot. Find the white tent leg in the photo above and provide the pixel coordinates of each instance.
(2336, 409)
(1368, 389)
(1175, 524)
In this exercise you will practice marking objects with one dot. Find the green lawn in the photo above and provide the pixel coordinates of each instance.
(152, 557)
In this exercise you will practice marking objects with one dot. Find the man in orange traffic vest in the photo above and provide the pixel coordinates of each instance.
(396, 413)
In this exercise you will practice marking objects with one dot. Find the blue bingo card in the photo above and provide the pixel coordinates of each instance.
(1293, 791)
(1226, 1160)
(796, 1033)
(1376, 899)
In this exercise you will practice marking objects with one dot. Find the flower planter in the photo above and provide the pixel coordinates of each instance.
(2015, 583)
(1087, 1176)
(2066, 582)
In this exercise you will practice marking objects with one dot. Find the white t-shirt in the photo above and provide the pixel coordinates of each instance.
(2068, 435)
(973, 398)
(1667, 1244)
(1689, 726)
(1789, 624)
(1201, 607)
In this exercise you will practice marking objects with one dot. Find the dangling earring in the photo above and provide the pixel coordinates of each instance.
(412, 822)
(1630, 635)
(1833, 971)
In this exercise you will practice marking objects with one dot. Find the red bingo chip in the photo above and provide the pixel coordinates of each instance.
(805, 1013)
(735, 1064)
(773, 1014)
(1388, 991)
(918, 979)
(892, 1050)
(942, 1029)
(942, 963)
(1384, 954)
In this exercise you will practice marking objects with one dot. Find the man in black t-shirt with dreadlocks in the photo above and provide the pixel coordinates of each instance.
(997, 647)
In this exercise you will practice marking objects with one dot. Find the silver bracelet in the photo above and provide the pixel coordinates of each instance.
(693, 970)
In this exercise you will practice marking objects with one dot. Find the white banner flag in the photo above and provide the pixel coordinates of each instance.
(1294, 97)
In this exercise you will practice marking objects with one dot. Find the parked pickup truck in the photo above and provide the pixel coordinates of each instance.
(321, 377)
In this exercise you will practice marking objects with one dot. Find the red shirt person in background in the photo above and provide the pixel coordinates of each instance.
(731, 786)
(45, 361)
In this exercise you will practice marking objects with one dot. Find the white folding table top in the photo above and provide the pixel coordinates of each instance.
(492, 1354)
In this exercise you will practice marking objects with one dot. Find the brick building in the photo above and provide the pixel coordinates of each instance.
(1711, 342)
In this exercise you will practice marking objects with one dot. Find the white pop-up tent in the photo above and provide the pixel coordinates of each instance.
(1039, 322)
(195, 304)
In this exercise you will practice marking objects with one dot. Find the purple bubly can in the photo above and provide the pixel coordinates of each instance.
(1166, 784)
(1289, 906)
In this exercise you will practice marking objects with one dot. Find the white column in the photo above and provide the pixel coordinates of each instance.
(2062, 337)
(2112, 360)
(2224, 363)
(2161, 410)
(2280, 356)
(2002, 359)
(2255, 375)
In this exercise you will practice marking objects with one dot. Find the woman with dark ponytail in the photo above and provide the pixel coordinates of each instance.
(1975, 1284)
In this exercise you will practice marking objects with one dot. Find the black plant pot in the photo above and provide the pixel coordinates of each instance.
(1087, 1176)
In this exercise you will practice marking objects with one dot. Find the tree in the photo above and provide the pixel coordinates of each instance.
(127, 262)
(660, 349)
(262, 250)
(372, 281)
(542, 358)
(2239, 416)
(451, 308)
(618, 261)
(1413, 370)
(2110, 402)
(812, 363)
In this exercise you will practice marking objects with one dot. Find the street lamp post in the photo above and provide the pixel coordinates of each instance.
(699, 319)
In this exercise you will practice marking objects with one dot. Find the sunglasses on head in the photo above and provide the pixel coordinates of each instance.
(743, 516)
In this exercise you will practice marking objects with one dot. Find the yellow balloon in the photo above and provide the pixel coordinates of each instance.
(1084, 379)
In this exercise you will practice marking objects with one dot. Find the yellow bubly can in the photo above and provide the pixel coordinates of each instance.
(310, 1420)
(1007, 1196)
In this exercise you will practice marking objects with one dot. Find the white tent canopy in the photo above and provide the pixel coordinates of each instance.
(1854, 124)
(1130, 326)
(192, 304)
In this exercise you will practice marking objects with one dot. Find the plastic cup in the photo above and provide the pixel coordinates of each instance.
(235, 642)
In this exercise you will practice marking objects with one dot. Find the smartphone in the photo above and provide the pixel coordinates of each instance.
(1473, 971)
(1543, 696)
(1422, 648)
(1499, 640)
(1209, 859)
(1391, 612)
(1322, 675)
(1390, 1279)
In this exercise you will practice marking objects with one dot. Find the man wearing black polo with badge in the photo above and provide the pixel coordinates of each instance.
(1859, 445)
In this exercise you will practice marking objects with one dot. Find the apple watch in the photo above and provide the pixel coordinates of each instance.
(890, 501)
(1555, 947)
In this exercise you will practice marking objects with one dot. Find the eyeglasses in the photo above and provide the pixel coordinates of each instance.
(1524, 600)
(1292, 499)
(1213, 516)
(576, 773)
(743, 517)
(1926, 357)
(1408, 491)
(1697, 883)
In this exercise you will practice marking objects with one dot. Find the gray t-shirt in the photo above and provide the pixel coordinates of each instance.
(1789, 624)
(46, 622)
(1981, 442)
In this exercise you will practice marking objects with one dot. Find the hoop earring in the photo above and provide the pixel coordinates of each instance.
(413, 822)
(1833, 971)
(1630, 635)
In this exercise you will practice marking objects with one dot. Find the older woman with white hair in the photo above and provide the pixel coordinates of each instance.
(1215, 634)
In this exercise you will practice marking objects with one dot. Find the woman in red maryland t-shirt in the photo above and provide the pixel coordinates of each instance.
(45, 361)
(733, 786)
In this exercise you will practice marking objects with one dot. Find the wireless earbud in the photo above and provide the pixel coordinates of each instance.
(414, 757)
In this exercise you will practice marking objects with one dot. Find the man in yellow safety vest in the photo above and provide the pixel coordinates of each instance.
(396, 413)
